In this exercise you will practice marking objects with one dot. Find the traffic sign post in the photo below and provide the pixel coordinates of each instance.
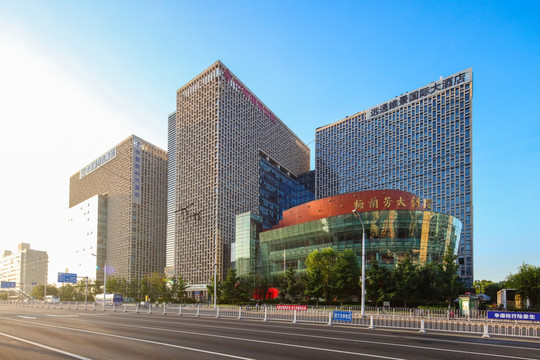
(8, 284)
(67, 278)
(345, 316)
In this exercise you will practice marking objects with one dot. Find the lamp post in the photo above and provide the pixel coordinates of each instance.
(363, 278)
(104, 278)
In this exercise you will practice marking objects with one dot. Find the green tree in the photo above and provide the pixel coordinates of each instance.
(527, 283)
(293, 285)
(281, 284)
(321, 278)
(38, 292)
(154, 286)
(95, 288)
(450, 285)
(230, 292)
(246, 286)
(159, 286)
(261, 286)
(481, 285)
(210, 288)
(178, 287)
(406, 280)
(347, 273)
(67, 293)
(428, 286)
(132, 290)
(492, 289)
(379, 285)
(332, 275)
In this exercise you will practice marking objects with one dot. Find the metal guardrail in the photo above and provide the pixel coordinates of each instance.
(415, 320)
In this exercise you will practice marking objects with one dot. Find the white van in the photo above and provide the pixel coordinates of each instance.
(51, 299)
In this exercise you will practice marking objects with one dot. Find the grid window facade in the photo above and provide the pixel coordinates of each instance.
(419, 142)
(135, 182)
(26, 267)
(221, 128)
(171, 188)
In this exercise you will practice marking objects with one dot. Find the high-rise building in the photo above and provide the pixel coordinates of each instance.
(420, 142)
(26, 267)
(131, 178)
(171, 188)
(222, 132)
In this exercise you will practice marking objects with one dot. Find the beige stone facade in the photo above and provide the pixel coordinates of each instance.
(26, 267)
(221, 130)
(133, 177)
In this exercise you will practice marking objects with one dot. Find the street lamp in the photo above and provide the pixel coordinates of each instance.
(363, 278)
(104, 278)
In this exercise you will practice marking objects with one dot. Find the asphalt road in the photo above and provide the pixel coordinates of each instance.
(32, 333)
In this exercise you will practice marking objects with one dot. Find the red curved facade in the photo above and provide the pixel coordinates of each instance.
(372, 200)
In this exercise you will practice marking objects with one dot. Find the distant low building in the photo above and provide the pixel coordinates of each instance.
(26, 267)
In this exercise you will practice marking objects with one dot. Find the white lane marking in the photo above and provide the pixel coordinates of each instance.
(130, 338)
(196, 324)
(274, 325)
(322, 337)
(27, 317)
(46, 347)
(62, 316)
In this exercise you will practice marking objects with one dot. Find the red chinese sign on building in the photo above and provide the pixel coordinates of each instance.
(229, 76)
(372, 200)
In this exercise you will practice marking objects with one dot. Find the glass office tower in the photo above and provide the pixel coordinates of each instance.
(279, 190)
(420, 142)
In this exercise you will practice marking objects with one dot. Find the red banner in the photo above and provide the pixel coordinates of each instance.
(292, 307)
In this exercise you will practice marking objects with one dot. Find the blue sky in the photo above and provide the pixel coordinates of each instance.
(79, 77)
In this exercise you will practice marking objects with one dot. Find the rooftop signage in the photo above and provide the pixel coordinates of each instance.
(100, 161)
(248, 94)
(137, 163)
(433, 88)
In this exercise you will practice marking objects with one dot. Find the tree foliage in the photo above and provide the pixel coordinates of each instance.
(332, 275)
(406, 279)
(379, 283)
(527, 283)
(230, 293)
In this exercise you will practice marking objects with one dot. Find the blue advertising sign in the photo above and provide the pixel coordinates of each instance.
(67, 278)
(508, 315)
(8, 284)
(342, 316)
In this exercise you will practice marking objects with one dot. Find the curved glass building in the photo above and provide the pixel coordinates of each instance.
(396, 223)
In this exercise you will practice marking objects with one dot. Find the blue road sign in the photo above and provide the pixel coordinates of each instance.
(8, 284)
(342, 316)
(67, 278)
(510, 315)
